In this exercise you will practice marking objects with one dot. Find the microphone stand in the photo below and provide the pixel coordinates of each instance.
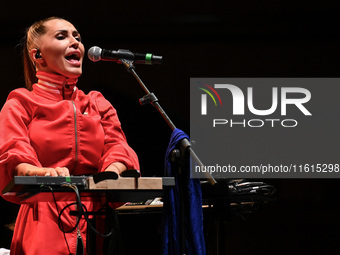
(216, 193)
(150, 98)
(179, 157)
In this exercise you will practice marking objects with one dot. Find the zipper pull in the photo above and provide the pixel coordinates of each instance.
(80, 243)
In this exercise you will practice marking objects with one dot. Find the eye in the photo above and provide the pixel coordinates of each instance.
(78, 38)
(60, 37)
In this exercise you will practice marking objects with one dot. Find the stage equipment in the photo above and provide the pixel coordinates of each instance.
(31, 189)
(96, 53)
(219, 194)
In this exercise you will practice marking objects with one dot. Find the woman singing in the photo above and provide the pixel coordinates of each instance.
(54, 129)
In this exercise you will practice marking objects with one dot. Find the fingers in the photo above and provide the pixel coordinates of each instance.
(58, 171)
(62, 171)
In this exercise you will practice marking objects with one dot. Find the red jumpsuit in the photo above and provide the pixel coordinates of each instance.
(53, 125)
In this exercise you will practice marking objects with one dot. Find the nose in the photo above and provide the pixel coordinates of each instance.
(74, 43)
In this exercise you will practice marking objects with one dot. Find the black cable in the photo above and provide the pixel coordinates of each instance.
(56, 205)
(82, 211)
(60, 221)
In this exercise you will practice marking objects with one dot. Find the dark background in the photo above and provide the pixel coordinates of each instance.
(200, 39)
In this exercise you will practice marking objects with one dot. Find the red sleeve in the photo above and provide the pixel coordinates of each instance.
(15, 145)
(116, 148)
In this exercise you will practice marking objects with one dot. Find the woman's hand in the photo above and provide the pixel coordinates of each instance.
(116, 167)
(25, 169)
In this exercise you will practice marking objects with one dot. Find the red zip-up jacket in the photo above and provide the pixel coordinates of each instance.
(57, 125)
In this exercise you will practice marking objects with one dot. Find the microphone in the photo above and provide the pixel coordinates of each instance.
(95, 54)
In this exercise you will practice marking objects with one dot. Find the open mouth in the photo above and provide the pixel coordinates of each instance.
(73, 57)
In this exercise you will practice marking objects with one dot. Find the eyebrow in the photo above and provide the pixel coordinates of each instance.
(66, 31)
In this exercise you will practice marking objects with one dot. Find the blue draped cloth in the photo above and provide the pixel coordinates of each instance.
(194, 236)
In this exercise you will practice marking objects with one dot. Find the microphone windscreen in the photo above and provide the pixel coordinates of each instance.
(95, 53)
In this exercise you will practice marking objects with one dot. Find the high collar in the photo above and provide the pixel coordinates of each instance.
(58, 86)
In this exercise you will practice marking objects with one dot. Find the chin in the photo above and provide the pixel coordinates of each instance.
(73, 74)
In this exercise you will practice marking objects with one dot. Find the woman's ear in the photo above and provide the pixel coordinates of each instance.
(36, 56)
